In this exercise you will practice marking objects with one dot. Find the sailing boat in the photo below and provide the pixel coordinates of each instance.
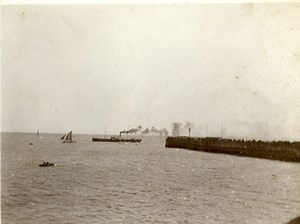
(38, 132)
(67, 138)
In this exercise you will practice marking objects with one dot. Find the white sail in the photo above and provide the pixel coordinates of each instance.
(68, 138)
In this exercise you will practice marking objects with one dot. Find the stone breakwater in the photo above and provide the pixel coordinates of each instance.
(276, 150)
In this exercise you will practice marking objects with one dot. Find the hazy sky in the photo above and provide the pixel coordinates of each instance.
(84, 67)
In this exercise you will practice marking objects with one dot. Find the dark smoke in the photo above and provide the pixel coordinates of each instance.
(147, 131)
(131, 131)
(154, 131)
(176, 128)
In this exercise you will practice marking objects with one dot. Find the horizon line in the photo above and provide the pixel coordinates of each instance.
(228, 137)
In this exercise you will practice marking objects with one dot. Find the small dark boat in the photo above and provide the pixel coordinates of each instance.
(46, 164)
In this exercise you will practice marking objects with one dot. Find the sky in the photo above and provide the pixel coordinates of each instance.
(84, 67)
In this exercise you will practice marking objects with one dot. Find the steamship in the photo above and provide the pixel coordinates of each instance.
(117, 139)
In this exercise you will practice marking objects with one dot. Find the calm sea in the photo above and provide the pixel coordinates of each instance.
(140, 183)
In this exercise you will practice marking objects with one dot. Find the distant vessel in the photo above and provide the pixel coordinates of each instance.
(38, 132)
(67, 138)
(116, 139)
(46, 164)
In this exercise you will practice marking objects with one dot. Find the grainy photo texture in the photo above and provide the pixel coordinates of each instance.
(150, 113)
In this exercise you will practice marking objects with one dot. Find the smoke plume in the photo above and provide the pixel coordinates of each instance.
(147, 131)
(176, 129)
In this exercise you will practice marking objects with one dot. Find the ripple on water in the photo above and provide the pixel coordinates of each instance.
(113, 183)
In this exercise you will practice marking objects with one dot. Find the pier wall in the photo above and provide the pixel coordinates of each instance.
(277, 150)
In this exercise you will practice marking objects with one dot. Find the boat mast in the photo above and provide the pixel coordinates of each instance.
(206, 129)
(221, 129)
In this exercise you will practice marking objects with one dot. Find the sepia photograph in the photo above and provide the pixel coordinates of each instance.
(173, 112)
